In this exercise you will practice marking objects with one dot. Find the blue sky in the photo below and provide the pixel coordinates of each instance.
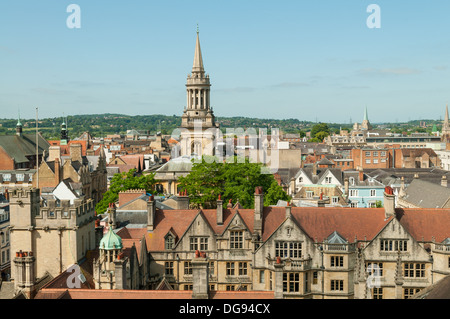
(310, 60)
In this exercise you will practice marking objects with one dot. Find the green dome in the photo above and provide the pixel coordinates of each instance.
(111, 241)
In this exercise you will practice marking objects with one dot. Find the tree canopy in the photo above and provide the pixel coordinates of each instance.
(122, 182)
(233, 180)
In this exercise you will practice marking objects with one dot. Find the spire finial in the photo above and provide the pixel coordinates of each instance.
(197, 28)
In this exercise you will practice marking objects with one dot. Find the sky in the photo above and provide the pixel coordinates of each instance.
(314, 60)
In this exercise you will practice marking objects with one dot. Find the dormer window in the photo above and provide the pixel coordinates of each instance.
(169, 242)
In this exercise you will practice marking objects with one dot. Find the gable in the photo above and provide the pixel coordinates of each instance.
(329, 175)
(199, 227)
(305, 179)
(395, 232)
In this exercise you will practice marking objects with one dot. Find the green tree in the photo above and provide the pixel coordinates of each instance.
(274, 194)
(122, 182)
(320, 127)
(235, 180)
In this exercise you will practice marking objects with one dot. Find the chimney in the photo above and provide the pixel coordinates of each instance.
(54, 152)
(278, 291)
(57, 171)
(315, 169)
(288, 210)
(220, 211)
(389, 202)
(259, 207)
(200, 276)
(361, 174)
(112, 215)
(120, 272)
(75, 152)
(151, 211)
(346, 186)
(444, 181)
(292, 186)
(183, 200)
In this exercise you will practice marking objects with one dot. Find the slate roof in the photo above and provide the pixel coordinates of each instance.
(424, 194)
(20, 147)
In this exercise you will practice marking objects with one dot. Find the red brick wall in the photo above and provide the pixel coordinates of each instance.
(6, 162)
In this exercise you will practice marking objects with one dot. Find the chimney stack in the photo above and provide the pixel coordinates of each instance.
(220, 211)
(200, 276)
(444, 181)
(151, 211)
(288, 210)
(75, 152)
(259, 207)
(183, 200)
(389, 202)
(112, 215)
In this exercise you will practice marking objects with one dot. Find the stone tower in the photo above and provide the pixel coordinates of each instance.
(55, 233)
(198, 125)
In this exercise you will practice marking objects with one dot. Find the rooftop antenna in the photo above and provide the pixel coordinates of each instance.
(37, 150)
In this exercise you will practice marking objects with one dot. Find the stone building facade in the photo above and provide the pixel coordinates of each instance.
(56, 234)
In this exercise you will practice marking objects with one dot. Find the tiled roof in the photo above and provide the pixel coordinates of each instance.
(113, 294)
(425, 223)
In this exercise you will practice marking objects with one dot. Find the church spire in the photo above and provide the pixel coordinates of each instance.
(366, 117)
(446, 116)
(198, 61)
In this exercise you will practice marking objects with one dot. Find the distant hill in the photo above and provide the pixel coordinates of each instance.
(103, 124)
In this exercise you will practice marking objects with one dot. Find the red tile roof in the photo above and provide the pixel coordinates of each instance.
(426, 223)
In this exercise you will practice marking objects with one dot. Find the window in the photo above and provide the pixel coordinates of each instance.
(375, 269)
(236, 240)
(188, 287)
(328, 180)
(414, 270)
(383, 153)
(337, 261)
(261, 276)
(337, 285)
(168, 265)
(291, 282)
(230, 269)
(377, 293)
(211, 267)
(198, 243)
(315, 277)
(353, 192)
(242, 269)
(352, 180)
(170, 241)
(230, 287)
(187, 268)
(393, 245)
(373, 192)
(375, 160)
(288, 249)
(335, 200)
(309, 194)
(300, 179)
(409, 292)
(367, 154)
(20, 177)
(354, 204)
(368, 161)
(6, 177)
(375, 153)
